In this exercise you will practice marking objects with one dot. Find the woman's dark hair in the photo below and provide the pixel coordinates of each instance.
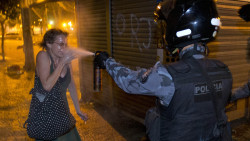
(50, 35)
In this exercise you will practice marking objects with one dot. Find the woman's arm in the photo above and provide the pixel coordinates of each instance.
(74, 96)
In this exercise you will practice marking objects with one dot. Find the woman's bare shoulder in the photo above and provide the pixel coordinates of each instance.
(42, 58)
(42, 55)
(42, 61)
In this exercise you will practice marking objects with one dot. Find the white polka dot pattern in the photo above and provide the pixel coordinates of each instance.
(51, 118)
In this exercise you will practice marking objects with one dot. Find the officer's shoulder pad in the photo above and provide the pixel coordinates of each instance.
(220, 64)
(180, 67)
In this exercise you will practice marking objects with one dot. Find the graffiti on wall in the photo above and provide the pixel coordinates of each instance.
(135, 27)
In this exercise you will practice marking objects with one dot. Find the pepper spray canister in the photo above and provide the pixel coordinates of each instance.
(97, 78)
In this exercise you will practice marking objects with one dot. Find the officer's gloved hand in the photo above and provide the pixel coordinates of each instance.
(100, 59)
(244, 12)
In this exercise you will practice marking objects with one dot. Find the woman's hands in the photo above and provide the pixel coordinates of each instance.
(68, 56)
(83, 116)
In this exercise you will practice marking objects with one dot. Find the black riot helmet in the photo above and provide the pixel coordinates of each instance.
(189, 21)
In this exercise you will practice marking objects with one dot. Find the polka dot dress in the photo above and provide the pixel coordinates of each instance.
(49, 116)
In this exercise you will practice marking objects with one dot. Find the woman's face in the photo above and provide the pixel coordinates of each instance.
(58, 46)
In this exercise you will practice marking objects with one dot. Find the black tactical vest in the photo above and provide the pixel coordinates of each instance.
(190, 115)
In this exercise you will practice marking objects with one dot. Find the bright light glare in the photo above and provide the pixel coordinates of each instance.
(38, 1)
(51, 22)
(64, 24)
(158, 6)
(49, 26)
(184, 32)
(70, 24)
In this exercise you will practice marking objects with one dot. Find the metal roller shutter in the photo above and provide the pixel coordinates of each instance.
(134, 45)
(230, 47)
(231, 43)
(92, 36)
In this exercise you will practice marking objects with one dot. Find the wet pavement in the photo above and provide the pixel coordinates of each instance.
(241, 130)
(104, 124)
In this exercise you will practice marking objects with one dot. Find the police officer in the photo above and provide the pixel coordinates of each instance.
(244, 91)
(244, 12)
(191, 93)
(241, 92)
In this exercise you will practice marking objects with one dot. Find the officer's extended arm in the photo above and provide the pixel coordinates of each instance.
(241, 92)
(154, 82)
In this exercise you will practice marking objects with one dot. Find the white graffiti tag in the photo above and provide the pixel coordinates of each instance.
(136, 26)
(120, 18)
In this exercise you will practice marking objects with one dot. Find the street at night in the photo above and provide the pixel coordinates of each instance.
(147, 70)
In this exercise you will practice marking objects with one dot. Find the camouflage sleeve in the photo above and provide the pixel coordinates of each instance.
(155, 81)
(241, 92)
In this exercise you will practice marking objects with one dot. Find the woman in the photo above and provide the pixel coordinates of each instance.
(54, 75)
